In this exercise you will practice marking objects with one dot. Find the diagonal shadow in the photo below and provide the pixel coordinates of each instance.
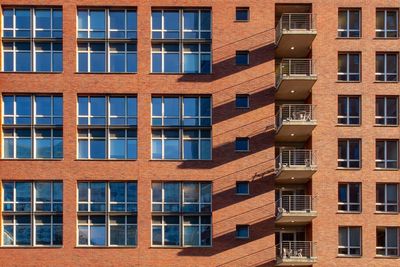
(258, 142)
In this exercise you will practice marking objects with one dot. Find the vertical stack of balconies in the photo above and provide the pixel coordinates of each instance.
(296, 161)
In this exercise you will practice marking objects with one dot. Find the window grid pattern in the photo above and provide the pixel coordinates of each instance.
(387, 110)
(181, 214)
(386, 67)
(181, 41)
(387, 199)
(349, 196)
(181, 128)
(387, 23)
(32, 213)
(32, 126)
(349, 110)
(349, 153)
(387, 154)
(107, 40)
(387, 241)
(349, 67)
(107, 127)
(32, 40)
(107, 213)
(349, 241)
(349, 25)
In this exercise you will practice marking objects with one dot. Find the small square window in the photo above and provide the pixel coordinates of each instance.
(242, 144)
(242, 188)
(242, 57)
(242, 14)
(242, 101)
(242, 231)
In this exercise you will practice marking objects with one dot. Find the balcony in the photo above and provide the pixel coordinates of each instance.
(296, 253)
(294, 34)
(295, 209)
(295, 122)
(294, 79)
(295, 165)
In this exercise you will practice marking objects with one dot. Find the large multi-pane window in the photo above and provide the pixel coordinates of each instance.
(387, 23)
(349, 241)
(32, 126)
(107, 127)
(349, 153)
(32, 40)
(386, 110)
(181, 127)
(387, 198)
(386, 67)
(181, 214)
(32, 213)
(349, 110)
(387, 241)
(107, 213)
(387, 154)
(349, 23)
(349, 197)
(349, 67)
(181, 41)
(107, 40)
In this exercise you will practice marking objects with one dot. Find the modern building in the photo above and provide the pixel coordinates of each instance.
(200, 133)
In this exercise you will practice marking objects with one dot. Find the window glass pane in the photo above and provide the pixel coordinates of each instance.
(98, 106)
(191, 235)
(355, 236)
(22, 19)
(171, 20)
(171, 235)
(43, 234)
(97, 20)
(23, 235)
(191, 63)
(171, 192)
(98, 192)
(97, 235)
(392, 237)
(242, 14)
(392, 193)
(171, 106)
(205, 20)
(117, 19)
(342, 193)
(171, 62)
(343, 236)
(43, 191)
(380, 20)
(171, 149)
(43, 18)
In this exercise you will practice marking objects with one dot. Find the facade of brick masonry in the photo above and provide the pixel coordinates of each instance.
(199, 133)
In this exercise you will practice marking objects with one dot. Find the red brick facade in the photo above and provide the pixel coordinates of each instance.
(227, 166)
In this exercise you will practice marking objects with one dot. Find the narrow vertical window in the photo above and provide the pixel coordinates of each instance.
(349, 110)
(386, 110)
(349, 23)
(386, 67)
(349, 67)
(349, 241)
(349, 153)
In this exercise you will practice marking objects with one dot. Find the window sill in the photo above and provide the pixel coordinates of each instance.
(348, 169)
(241, 21)
(178, 247)
(386, 125)
(106, 247)
(242, 238)
(386, 213)
(32, 159)
(243, 107)
(106, 73)
(348, 125)
(386, 169)
(242, 194)
(180, 73)
(242, 151)
(386, 257)
(31, 247)
(383, 82)
(105, 159)
(348, 212)
(33, 72)
(349, 256)
(182, 160)
(385, 38)
(338, 81)
(348, 38)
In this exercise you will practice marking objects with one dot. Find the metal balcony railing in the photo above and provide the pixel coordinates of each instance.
(294, 203)
(295, 158)
(294, 68)
(294, 22)
(294, 113)
(301, 250)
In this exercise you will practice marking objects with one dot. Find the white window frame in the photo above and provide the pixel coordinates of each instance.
(385, 204)
(385, 117)
(385, 160)
(386, 247)
(163, 225)
(347, 116)
(32, 213)
(107, 213)
(348, 30)
(348, 73)
(33, 126)
(385, 73)
(347, 246)
(199, 225)
(347, 159)
(385, 29)
(348, 203)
